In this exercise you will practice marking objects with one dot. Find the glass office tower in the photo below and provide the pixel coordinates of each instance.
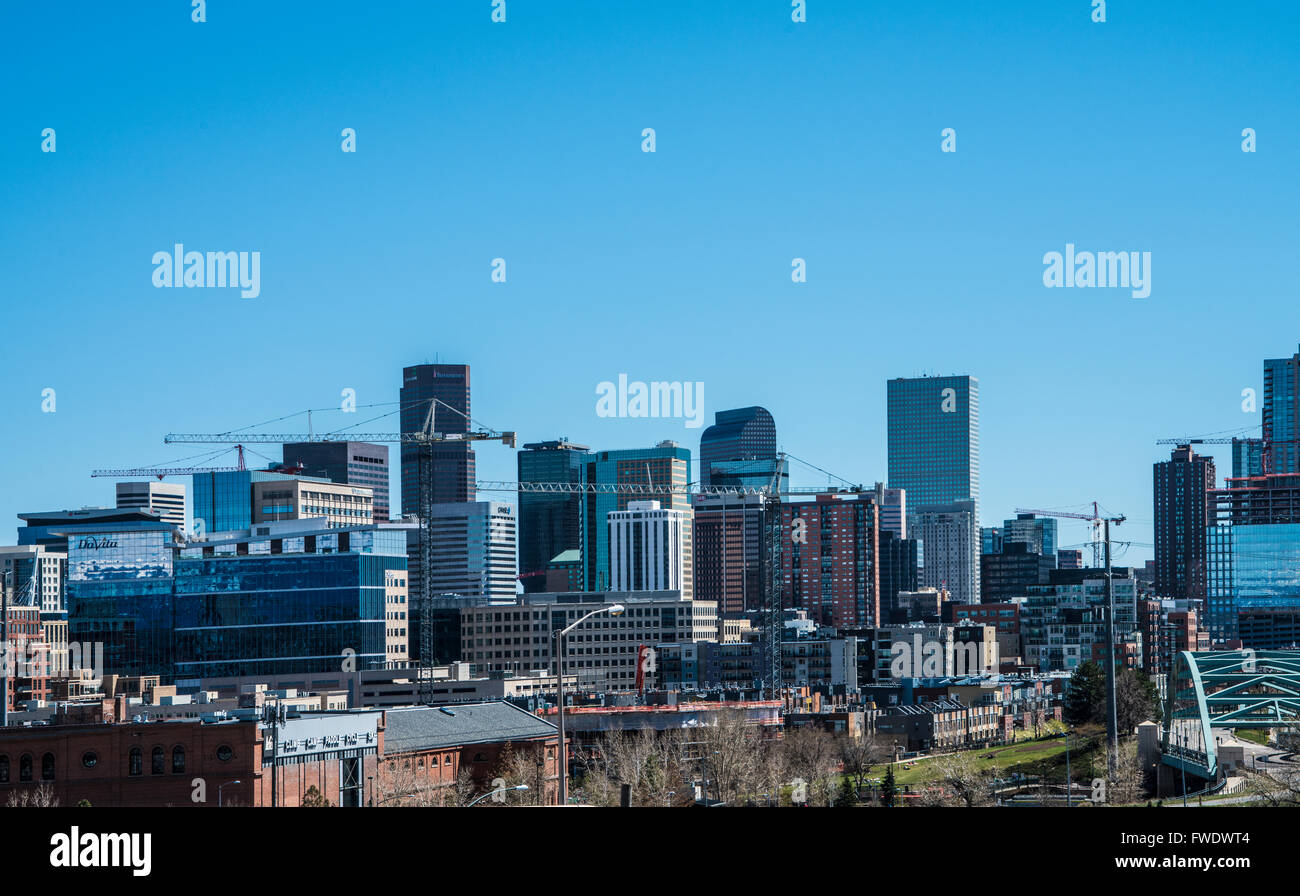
(1281, 410)
(740, 434)
(933, 433)
(549, 523)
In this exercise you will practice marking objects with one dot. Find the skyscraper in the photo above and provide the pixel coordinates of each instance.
(665, 465)
(650, 549)
(452, 478)
(550, 524)
(728, 551)
(830, 557)
(741, 434)
(951, 543)
(1181, 501)
(1282, 413)
(934, 446)
(347, 463)
(933, 435)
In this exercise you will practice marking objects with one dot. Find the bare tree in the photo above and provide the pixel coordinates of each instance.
(729, 755)
(860, 754)
(43, 795)
(814, 756)
(959, 780)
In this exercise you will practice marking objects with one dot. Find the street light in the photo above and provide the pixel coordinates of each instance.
(613, 610)
(222, 787)
(498, 790)
(4, 648)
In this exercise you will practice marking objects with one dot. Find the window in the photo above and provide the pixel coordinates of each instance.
(90, 759)
(156, 761)
(4, 769)
(225, 753)
(135, 762)
(178, 760)
(25, 767)
(47, 767)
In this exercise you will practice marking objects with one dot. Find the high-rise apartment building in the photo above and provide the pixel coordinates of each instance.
(166, 499)
(1281, 413)
(729, 551)
(1038, 532)
(829, 557)
(1182, 487)
(452, 477)
(550, 523)
(347, 463)
(739, 435)
(650, 549)
(952, 542)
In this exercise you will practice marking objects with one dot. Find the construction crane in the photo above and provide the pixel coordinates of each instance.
(425, 438)
(1095, 518)
(773, 603)
(160, 472)
(1112, 720)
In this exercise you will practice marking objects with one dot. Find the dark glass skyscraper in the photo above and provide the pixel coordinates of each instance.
(453, 475)
(1181, 502)
(549, 524)
(741, 434)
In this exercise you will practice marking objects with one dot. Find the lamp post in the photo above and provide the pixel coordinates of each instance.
(498, 790)
(613, 610)
(222, 787)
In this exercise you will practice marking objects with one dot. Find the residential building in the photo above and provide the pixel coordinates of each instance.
(1182, 486)
(1281, 414)
(829, 557)
(949, 534)
(729, 551)
(1005, 575)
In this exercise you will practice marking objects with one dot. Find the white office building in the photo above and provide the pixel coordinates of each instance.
(650, 549)
(166, 499)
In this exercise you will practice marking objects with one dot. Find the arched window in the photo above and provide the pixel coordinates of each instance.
(4, 769)
(135, 762)
(157, 761)
(25, 767)
(47, 767)
(178, 760)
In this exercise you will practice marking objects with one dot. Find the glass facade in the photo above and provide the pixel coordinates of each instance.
(1250, 567)
(223, 502)
(934, 439)
(243, 607)
(549, 524)
(740, 434)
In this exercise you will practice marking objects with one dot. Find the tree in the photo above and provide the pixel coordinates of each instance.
(729, 753)
(1136, 700)
(961, 779)
(813, 755)
(313, 798)
(859, 754)
(42, 796)
(1086, 695)
(889, 788)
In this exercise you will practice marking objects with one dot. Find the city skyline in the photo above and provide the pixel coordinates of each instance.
(852, 181)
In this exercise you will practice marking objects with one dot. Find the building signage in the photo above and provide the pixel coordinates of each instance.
(96, 544)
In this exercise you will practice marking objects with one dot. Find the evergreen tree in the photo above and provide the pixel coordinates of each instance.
(889, 788)
(1085, 699)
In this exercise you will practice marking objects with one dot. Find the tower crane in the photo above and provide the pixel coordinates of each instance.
(160, 472)
(425, 438)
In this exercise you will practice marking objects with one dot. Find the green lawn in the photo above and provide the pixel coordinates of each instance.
(1045, 756)
(1254, 735)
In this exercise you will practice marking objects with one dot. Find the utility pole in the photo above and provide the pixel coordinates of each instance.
(5, 653)
(1112, 721)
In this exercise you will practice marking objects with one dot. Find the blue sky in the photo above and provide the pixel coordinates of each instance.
(775, 140)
